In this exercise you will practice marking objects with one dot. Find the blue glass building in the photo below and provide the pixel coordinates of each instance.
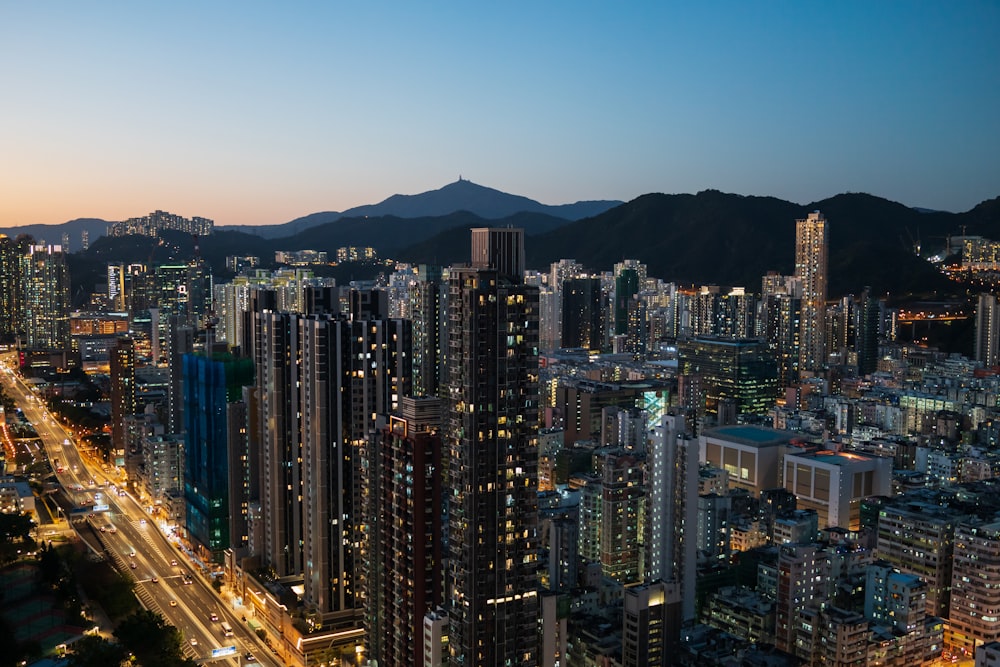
(209, 386)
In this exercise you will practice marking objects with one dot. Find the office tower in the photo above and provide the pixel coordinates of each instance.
(122, 369)
(116, 287)
(46, 297)
(740, 369)
(651, 624)
(210, 384)
(428, 310)
(987, 330)
(672, 508)
(868, 332)
(581, 402)
(492, 382)
(626, 288)
(407, 578)
(582, 314)
(975, 585)
(183, 290)
(811, 252)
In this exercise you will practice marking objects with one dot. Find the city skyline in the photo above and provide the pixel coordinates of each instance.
(271, 114)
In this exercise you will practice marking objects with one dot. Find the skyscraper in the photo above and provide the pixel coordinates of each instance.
(492, 434)
(210, 385)
(10, 289)
(321, 379)
(583, 313)
(122, 369)
(987, 330)
(46, 297)
(811, 253)
(406, 580)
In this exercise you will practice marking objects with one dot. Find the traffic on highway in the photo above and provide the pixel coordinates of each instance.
(166, 580)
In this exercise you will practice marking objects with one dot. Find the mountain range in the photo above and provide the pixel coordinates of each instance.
(706, 238)
(462, 195)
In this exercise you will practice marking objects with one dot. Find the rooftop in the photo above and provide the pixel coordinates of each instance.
(758, 436)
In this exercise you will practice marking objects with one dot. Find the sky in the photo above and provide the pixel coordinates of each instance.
(258, 113)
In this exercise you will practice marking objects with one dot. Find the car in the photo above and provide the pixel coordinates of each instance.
(213, 616)
(113, 530)
(173, 603)
(173, 563)
(194, 641)
(155, 580)
(132, 554)
(142, 522)
(250, 657)
(133, 565)
(103, 529)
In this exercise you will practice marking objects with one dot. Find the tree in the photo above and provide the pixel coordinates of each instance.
(153, 641)
(96, 651)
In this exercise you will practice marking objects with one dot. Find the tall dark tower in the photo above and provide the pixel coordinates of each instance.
(492, 435)
(428, 310)
(583, 313)
(626, 287)
(11, 321)
(869, 318)
(122, 367)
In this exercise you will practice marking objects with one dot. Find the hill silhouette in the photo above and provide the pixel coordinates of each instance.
(706, 238)
(462, 195)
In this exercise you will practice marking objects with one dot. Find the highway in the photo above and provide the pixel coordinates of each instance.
(166, 581)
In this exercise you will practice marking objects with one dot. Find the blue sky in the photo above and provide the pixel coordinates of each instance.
(252, 113)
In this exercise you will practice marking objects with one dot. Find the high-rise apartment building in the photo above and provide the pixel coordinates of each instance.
(11, 297)
(492, 434)
(811, 254)
(987, 348)
(622, 498)
(651, 624)
(46, 297)
(321, 379)
(672, 512)
(406, 533)
(116, 287)
(122, 368)
(975, 585)
(428, 310)
(919, 538)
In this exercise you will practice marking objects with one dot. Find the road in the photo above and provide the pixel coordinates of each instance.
(165, 581)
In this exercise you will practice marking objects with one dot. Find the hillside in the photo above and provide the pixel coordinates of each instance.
(718, 238)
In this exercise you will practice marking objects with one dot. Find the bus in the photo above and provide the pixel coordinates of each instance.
(227, 630)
